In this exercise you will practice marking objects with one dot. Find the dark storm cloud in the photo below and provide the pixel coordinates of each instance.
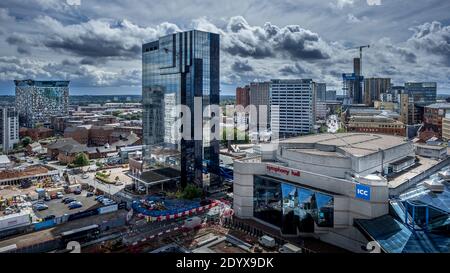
(295, 69)
(293, 41)
(99, 45)
(240, 66)
(68, 69)
(21, 41)
(100, 38)
(433, 38)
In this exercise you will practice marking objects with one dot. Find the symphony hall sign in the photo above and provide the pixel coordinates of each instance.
(275, 169)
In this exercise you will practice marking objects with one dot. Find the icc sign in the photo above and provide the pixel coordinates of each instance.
(363, 192)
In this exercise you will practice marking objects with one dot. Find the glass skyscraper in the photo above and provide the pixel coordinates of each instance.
(179, 69)
(38, 101)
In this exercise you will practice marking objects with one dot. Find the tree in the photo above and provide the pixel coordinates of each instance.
(243, 136)
(81, 160)
(26, 141)
(191, 191)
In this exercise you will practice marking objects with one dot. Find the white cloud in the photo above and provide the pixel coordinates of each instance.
(374, 2)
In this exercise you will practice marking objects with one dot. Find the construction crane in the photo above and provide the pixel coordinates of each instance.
(360, 53)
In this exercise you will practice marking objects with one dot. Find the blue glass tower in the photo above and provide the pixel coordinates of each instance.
(177, 70)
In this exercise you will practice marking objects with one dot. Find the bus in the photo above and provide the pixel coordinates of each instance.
(80, 235)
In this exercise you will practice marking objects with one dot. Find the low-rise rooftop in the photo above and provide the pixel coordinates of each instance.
(356, 144)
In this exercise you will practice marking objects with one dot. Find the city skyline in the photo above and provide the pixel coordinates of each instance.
(261, 41)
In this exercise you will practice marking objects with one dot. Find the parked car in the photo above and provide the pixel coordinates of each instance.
(267, 241)
(40, 207)
(50, 217)
(107, 202)
(47, 198)
(69, 200)
(59, 195)
(9, 211)
(75, 205)
(99, 198)
(77, 191)
(89, 194)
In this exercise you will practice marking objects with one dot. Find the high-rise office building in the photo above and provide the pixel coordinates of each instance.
(352, 84)
(331, 95)
(321, 91)
(422, 93)
(260, 98)
(357, 85)
(9, 128)
(180, 69)
(243, 96)
(296, 102)
(38, 101)
(374, 87)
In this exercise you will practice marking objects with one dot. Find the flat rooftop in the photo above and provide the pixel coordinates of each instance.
(4, 159)
(404, 176)
(355, 144)
(158, 175)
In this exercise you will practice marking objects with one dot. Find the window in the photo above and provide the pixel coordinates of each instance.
(290, 207)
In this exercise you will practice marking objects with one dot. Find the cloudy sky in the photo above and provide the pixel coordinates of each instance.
(97, 43)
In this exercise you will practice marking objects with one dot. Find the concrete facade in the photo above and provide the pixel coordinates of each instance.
(331, 164)
(9, 128)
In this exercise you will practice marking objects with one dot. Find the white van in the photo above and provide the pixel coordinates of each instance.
(290, 248)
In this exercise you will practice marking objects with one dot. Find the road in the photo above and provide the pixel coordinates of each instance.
(140, 232)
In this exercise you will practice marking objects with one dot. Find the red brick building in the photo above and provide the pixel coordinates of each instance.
(79, 134)
(243, 96)
(36, 134)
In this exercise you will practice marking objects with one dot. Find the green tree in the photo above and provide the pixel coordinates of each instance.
(117, 113)
(26, 140)
(235, 140)
(81, 160)
(191, 191)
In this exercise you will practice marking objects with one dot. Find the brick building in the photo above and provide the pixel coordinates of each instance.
(243, 96)
(36, 133)
(376, 124)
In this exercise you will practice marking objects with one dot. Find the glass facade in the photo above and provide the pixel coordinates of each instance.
(176, 70)
(291, 208)
(38, 101)
(423, 93)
